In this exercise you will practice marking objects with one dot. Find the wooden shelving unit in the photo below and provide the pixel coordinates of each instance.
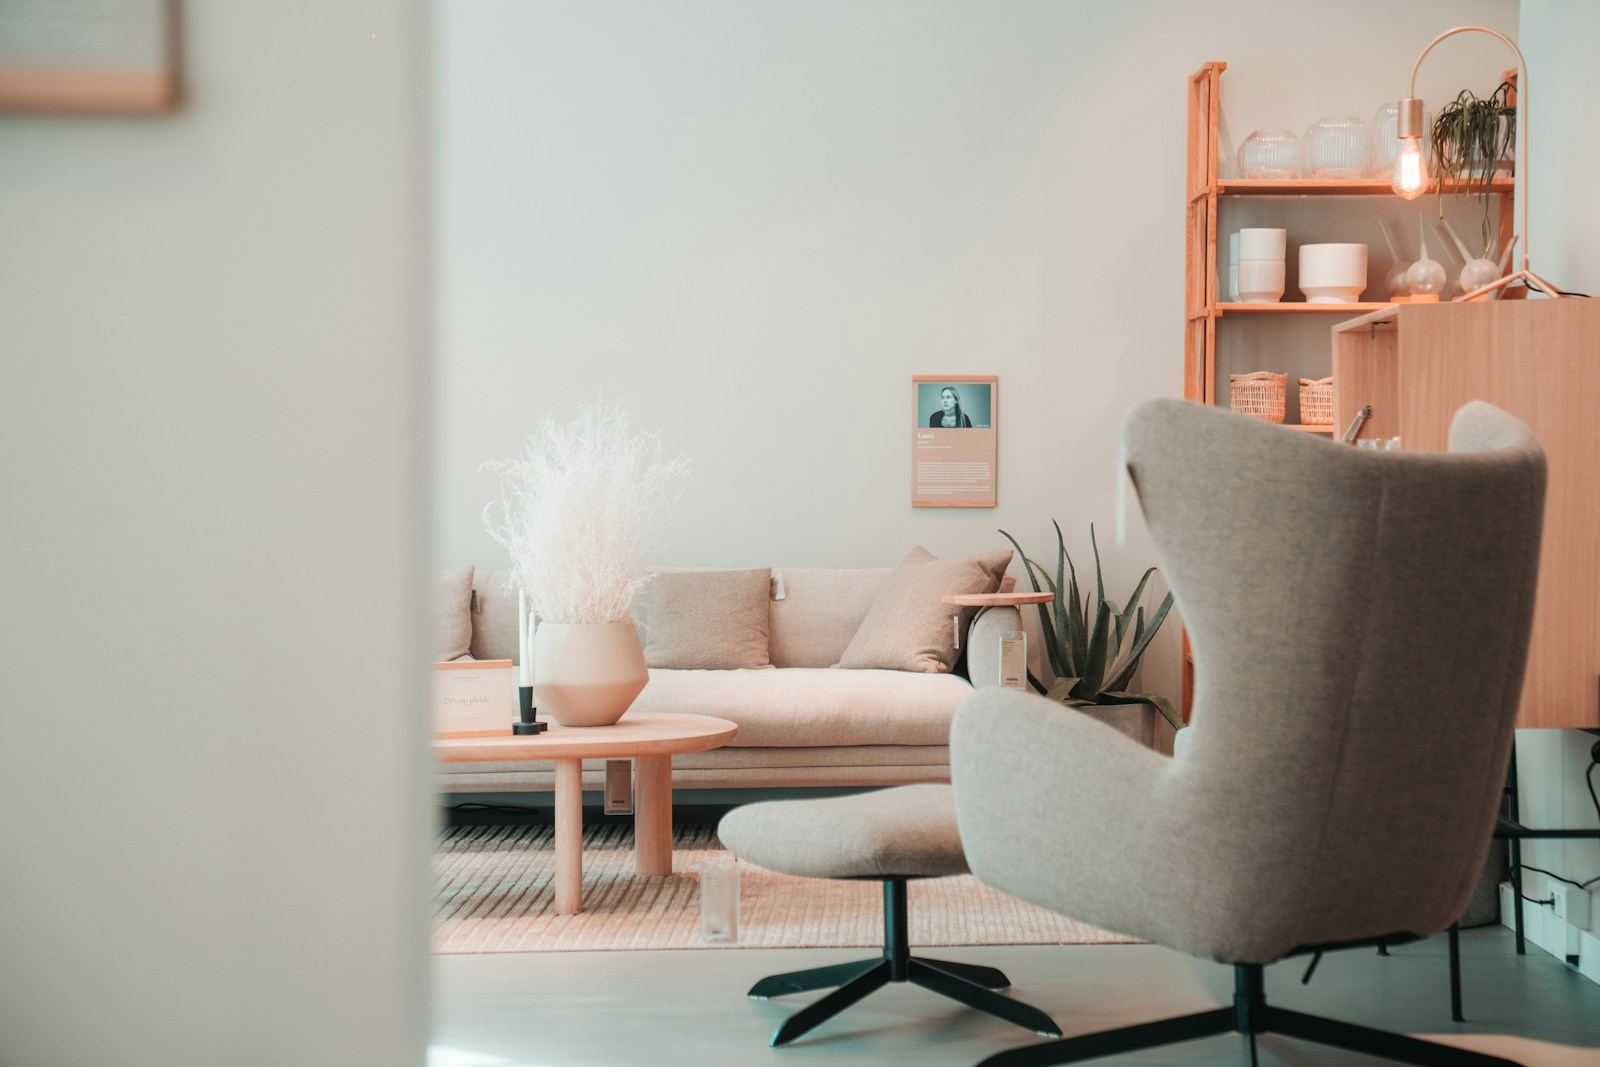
(1291, 336)
(1206, 194)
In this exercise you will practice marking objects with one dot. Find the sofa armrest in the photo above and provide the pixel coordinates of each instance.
(983, 644)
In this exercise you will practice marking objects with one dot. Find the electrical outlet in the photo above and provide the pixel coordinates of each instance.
(1573, 905)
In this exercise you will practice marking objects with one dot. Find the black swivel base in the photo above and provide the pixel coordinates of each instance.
(1250, 1015)
(964, 982)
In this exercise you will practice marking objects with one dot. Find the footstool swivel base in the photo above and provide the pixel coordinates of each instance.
(967, 983)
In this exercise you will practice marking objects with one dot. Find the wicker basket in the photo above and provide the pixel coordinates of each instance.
(1259, 395)
(1316, 401)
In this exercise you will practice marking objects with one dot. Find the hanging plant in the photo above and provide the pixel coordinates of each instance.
(1472, 138)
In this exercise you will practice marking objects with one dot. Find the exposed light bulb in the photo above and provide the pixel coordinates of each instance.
(1410, 170)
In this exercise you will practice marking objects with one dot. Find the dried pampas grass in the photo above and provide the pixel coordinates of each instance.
(574, 511)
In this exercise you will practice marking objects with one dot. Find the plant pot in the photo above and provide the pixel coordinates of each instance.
(1137, 721)
(1500, 168)
(587, 674)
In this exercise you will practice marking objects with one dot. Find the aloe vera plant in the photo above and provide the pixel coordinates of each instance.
(1094, 646)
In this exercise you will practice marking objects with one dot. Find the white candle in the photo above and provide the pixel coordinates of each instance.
(522, 637)
(533, 633)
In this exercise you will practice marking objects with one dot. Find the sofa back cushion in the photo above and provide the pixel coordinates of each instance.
(705, 619)
(908, 628)
(820, 612)
(452, 614)
(494, 617)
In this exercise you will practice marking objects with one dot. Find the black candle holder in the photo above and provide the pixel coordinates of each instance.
(530, 723)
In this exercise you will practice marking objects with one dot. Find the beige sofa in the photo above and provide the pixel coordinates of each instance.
(803, 722)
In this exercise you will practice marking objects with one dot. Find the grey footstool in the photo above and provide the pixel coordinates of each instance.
(892, 835)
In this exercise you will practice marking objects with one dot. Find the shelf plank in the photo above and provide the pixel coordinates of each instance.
(1327, 187)
(1300, 307)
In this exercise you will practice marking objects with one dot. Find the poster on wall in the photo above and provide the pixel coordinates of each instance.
(93, 57)
(953, 441)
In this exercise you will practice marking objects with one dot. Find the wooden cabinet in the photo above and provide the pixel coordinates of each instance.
(1540, 360)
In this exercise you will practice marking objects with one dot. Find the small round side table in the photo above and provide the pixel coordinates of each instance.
(1009, 602)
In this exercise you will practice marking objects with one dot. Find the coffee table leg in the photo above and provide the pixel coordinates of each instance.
(652, 821)
(569, 836)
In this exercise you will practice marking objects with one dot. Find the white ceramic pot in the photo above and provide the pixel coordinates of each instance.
(1261, 281)
(1333, 273)
(1257, 243)
(587, 674)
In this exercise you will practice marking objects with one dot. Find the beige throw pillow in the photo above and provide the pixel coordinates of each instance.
(705, 619)
(452, 614)
(907, 628)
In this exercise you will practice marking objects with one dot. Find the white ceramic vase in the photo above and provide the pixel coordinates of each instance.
(587, 674)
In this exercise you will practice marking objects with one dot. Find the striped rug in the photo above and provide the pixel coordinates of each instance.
(493, 892)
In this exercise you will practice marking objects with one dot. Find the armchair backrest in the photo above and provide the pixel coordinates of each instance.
(1359, 622)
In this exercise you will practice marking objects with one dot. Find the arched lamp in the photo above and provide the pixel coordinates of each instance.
(1411, 169)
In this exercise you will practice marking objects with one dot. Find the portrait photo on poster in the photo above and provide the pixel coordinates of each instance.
(953, 441)
(955, 405)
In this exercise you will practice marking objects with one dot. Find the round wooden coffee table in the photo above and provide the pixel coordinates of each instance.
(650, 739)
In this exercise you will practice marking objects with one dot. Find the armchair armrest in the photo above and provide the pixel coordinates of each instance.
(1042, 794)
(1067, 813)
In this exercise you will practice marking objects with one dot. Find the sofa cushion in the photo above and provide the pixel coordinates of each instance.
(907, 628)
(494, 619)
(814, 707)
(452, 614)
(820, 611)
(705, 619)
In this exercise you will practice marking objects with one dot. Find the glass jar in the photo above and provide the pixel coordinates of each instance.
(1386, 139)
(1269, 154)
(1336, 148)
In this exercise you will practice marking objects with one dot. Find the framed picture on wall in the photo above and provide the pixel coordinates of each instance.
(954, 436)
(95, 57)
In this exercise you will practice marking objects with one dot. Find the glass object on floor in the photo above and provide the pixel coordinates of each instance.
(719, 901)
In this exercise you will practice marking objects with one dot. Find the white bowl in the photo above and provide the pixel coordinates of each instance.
(1261, 281)
(1333, 273)
(1233, 249)
(1262, 244)
(1233, 282)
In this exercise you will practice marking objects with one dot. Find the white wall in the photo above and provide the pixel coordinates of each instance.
(750, 223)
(212, 768)
(1564, 145)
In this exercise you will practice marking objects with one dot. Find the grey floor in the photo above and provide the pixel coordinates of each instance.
(663, 1009)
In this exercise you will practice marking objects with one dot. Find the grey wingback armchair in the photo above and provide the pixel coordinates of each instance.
(1359, 622)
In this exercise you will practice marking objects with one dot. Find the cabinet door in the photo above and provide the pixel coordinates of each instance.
(1536, 360)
